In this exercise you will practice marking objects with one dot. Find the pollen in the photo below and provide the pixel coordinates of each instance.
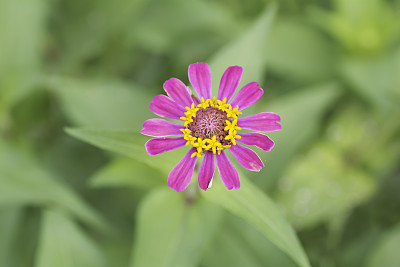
(211, 126)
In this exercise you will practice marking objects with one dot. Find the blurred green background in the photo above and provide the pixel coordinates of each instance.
(330, 68)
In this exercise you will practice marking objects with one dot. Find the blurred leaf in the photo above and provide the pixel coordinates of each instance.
(63, 244)
(354, 126)
(102, 104)
(300, 113)
(321, 186)
(239, 244)
(373, 79)
(129, 144)
(255, 207)
(161, 28)
(295, 50)
(22, 27)
(10, 219)
(247, 51)
(353, 251)
(21, 35)
(108, 22)
(127, 172)
(171, 232)
(386, 252)
(363, 27)
(22, 183)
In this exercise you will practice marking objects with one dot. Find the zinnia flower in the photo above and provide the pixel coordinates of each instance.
(210, 126)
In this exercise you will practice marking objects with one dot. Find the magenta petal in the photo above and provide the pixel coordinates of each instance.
(256, 139)
(200, 78)
(157, 146)
(206, 170)
(247, 96)
(262, 122)
(177, 90)
(181, 175)
(159, 128)
(229, 82)
(246, 157)
(228, 173)
(164, 106)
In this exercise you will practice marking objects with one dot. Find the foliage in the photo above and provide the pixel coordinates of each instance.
(78, 189)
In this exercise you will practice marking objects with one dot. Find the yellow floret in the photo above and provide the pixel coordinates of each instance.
(232, 136)
(212, 102)
(233, 113)
(187, 120)
(231, 126)
(213, 144)
(222, 105)
(201, 144)
(190, 139)
(196, 154)
(204, 104)
(191, 111)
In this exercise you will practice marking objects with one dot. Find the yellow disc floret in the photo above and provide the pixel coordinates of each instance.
(215, 128)
(204, 104)
(200, 145)
(234, 113)
(190, 114)
(231, 126)
(190, 139)
(232, 136)
(213, 144)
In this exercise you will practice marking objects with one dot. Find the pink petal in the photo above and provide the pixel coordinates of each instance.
(229, 82)
(200, 78)
(246, 157)
(262, 122)
(177, 90)
(206, 170)
(256, 139)
(247, 96)
(228, 173)
(160, 127)
(164, 106)
(181, 175)
(157, 146)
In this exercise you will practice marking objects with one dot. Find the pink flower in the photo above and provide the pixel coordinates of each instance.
(210, 126)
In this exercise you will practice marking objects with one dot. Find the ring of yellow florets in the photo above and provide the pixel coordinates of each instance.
(211, 125)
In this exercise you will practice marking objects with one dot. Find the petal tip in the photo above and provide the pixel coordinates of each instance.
(148, 150)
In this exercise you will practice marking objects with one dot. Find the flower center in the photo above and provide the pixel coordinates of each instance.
(210, 122)
(212, 125)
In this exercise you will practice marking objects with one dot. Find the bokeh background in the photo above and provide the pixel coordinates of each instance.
(330, 68)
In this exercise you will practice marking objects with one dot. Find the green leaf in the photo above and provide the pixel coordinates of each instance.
(247, 51)
(373, 79)
(10, 219)
(106, 21)
(22, 28)
(129, 144)
(239, 244)
(173, 231)
(386, 252)
(300, 113)
(127, 172)
(64, 244)
(311, 194)
(21, 35)
(161, 29)
(23, 183)
(102, 104)
(296, 51)
(255, 207)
